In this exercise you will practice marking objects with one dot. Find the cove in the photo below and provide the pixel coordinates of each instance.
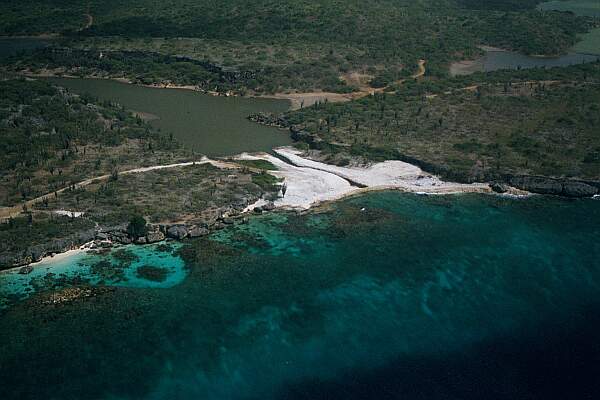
(382, 296)
(211, 125)
(151, 266)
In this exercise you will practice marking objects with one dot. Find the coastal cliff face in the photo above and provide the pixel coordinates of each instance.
(553, 186)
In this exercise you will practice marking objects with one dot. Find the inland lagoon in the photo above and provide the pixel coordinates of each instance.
(210, 125)
(382, 296)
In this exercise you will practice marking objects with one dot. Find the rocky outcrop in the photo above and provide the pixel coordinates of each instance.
(499, 187)
(156, 236)
(555, 186)
(198, 232)
(269, 119)
(579, 189)
(177, 232)
(37, 252)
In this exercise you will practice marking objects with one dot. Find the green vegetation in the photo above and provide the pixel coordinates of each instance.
(52, 139)
(193, 193)
(196, 194)
(137, 226)
(590, 42)
(266, 181)
(267, 46)
(579, 7)
(259, 164)
(22, 233)
(480, 127)
(476, 127)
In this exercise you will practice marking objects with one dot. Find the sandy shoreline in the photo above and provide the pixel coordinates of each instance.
(48, 261)
(310, 183)
(296, 100)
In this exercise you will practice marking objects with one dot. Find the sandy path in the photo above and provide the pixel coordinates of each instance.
(300, 100)
(14, 211)
(421, 69)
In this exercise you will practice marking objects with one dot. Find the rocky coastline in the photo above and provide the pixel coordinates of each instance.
(566, 187)
(107, 237)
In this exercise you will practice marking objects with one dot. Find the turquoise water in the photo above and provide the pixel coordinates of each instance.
(120, 268)
(383, 296)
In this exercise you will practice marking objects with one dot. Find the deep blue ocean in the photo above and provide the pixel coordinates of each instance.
(383, 296)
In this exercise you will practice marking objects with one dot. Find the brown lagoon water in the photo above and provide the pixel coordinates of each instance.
(586, 50)
(495, 60)
(211, 125)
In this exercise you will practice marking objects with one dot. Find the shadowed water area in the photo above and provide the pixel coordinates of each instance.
(384, 296)
(211, 125)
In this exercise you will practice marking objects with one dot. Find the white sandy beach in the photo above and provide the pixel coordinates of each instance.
(311, 182)
(305, 186)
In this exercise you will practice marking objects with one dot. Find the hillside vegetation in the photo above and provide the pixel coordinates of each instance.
(291, 45)
(535, 122)
(52, 138)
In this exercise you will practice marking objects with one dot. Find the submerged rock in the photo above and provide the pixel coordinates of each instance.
(26, 270)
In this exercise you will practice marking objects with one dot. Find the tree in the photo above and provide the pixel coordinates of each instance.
(137, 226)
